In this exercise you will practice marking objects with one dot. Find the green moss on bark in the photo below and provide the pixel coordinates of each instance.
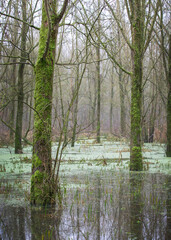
(42, 186)
(136, 163)
(41, 189)
(136, 92)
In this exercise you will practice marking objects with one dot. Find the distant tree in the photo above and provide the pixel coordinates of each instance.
(168, 151)
(164, 42)
(20, 90)
(98, 75)
(75, 104)
(17, 55)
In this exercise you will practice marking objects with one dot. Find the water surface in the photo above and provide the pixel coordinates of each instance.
(99, 201)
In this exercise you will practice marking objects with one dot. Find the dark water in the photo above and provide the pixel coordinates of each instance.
(101, 205)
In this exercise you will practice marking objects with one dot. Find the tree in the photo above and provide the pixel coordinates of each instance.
(111, 100)
(141, 31)
(168, 151)
(75, 104)
(164, 41)
(15, 41)
(43, 189)
(19, 118)
(98, 77)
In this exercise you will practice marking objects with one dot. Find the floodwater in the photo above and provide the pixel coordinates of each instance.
(99, 201)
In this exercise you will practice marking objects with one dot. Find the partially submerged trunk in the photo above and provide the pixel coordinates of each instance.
(43, 187)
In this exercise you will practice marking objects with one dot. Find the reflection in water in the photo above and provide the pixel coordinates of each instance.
(168, 207)
(13, 223)
(111, 205)
(136, 206)
(44, 224)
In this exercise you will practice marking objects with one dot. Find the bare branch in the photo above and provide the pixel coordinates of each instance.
(60, 15)
(46, 2)
(18, 19)
(152, 26)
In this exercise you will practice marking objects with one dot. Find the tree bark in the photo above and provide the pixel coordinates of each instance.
(136, 89)
(98, 80)
(19, 118)
(75, 104)
(111, 100)
(43, 189)
(121, 91)
(168, 151)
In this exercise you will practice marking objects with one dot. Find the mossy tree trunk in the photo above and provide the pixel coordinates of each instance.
(19, 118)
(168, 151)
(140, 41)
(142, 21)
(136, 88)
(43, 189)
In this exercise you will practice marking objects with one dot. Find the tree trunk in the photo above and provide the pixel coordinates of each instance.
(12, 117)
(121, 91)
(19, 118)
(75, 117)
(136, 91)
(98, 80)
(43, 189)
(122, 107)
(75, 105)
(168, 151)
(94, 103)
(111, 101)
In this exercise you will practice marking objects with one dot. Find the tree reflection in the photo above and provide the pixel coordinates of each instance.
(168, 207)
(118, 206)
(136, 206)
(98, 209)
(45, 223)
(12, 223)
